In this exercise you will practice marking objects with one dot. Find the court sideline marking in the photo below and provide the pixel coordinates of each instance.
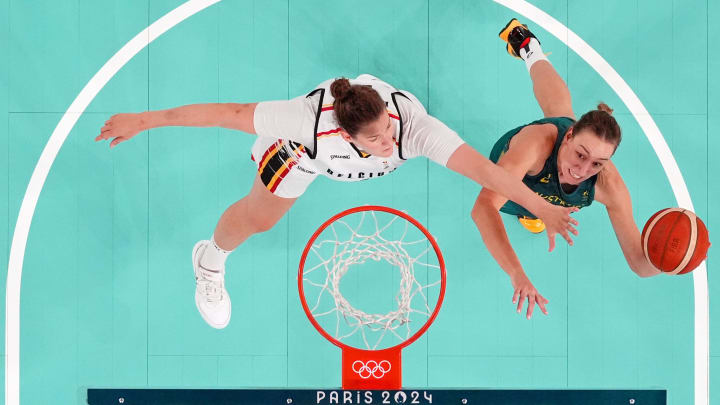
(27, 209)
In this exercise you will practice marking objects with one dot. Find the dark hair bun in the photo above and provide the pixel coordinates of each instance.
(340, 88)
(604, 107)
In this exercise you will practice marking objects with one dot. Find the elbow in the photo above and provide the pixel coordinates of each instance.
(237, 116)
(239, 109)
(644, 269)
(476, 213)
(237, 112)
(481, 209)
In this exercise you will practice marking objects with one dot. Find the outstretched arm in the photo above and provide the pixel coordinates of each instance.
(518, 161)
(468, 162)
(487, 219)
(121, 127)
(431, 138)
(611, 191)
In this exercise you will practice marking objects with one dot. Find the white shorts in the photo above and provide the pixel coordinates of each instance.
(283, 166)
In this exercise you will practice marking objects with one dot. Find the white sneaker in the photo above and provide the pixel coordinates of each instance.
(211, 297)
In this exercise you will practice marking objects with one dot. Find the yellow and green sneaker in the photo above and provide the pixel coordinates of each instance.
(534, 225)
(517, 37)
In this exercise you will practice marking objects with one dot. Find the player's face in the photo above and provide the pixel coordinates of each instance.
(376, 138)
(582, 156)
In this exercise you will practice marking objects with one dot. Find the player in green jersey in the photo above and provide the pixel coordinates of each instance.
(565, 161)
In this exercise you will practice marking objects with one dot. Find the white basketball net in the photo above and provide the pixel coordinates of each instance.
(351, 246)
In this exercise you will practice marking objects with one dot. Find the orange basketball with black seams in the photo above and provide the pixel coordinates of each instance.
(675, 240)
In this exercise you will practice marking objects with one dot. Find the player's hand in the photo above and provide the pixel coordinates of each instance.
(558, 221)
(524, 290)
(120, 128)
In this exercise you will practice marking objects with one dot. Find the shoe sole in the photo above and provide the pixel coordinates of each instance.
(196, 265)
(505, 32)
(531, 228)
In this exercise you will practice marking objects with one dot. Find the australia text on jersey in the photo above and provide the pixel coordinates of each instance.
(557, 200)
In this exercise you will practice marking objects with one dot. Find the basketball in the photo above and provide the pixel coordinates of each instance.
(675, 240)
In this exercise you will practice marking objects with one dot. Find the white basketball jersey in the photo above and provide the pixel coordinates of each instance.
(299, 139)
(334, 157)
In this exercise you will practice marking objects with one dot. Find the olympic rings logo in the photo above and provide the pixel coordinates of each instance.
(371, 369)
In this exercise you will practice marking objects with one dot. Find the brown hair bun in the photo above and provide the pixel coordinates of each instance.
(340, 88)
(355, 105)
(604, 107)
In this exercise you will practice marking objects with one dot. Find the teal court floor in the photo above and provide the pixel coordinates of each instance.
(107, 286)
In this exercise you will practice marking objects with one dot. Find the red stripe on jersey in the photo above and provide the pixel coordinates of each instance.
(332, 131)
(394, 116)
(269, 150)
(327, 108)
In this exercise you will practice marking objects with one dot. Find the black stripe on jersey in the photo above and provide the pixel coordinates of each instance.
(312, 153)
(359, 152)
(400, 137)
(276, 161)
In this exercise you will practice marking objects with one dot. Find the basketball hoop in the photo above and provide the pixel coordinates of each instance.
(389, 264)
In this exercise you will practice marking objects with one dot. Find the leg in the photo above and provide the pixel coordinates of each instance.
(550, 90)
(257, 212)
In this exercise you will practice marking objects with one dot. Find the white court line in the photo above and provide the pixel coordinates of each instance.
(143, 39)
(672, 171)
(27, 209)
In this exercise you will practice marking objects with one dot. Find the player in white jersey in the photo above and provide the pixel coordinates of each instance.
(346, 130)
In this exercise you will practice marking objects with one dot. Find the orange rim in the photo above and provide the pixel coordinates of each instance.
(408, 218)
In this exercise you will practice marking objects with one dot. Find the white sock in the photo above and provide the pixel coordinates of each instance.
(214, 257)
(534, 54)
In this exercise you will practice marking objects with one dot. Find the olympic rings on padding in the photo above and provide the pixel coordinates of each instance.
(371, 369)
